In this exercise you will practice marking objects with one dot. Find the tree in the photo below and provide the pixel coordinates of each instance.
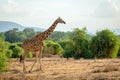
(12, 35)
(77, 45)
(78, 37)
(68, 50)
(105, 44)
(17, 36)
(80, 42)
(58, 36)
(29, 32)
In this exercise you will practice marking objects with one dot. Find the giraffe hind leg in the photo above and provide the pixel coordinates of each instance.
(40, 58)
(34, 63)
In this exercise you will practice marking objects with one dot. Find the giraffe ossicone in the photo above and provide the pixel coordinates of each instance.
(36, 44)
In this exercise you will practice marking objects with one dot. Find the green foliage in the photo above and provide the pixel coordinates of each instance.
(119, 47)
(3, 58)
(2, 35)
(87, 51)
(17, 36)
(4, 46)
(19, 44)
(9, 53)
(68, 48)
(29, 33)
(78, 37)
(58, 36)
(105, 44)
(119, 51)
(78, 45)
(3, 62)
(16, 50)
(52, 48)
(30, 55)
(12, 35)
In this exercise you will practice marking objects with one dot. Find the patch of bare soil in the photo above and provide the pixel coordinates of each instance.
(63, 69)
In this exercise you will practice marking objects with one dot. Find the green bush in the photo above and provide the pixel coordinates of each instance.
(119, 52)
(105, 44)
(77, 45)
(68, 48)
(16, 50)
(3, 62)
(30, 55)
(9, 53)
(3, 58)
(52, 48)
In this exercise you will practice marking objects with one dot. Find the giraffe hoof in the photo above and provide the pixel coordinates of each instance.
(29, 71)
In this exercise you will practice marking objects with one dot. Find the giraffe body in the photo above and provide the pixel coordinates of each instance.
(36, 44)
(32, 45)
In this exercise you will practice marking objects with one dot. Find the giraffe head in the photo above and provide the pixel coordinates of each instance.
(59, 20)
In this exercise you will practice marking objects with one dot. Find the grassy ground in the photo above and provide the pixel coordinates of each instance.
(63, 69)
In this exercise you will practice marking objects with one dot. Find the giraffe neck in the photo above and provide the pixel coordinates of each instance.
(48, 32)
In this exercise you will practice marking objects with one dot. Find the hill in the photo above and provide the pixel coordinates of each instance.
(7, 25)
(117, 31)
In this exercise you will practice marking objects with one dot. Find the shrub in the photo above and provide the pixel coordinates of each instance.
(16, 50)
(9, 53)
(3, 62)
(30, 55)
(52, 48)
(68, 49)
(105, 44)
(78, 45)
(3, 58)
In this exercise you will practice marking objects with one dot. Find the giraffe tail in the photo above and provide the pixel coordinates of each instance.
(21, 58)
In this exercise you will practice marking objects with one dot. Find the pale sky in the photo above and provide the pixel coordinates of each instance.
(94, 14)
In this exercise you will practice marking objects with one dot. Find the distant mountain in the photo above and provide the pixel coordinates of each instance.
(37, 29)
(7, 25)
(116, 31)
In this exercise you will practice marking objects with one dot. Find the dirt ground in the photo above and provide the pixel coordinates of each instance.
(63, 69)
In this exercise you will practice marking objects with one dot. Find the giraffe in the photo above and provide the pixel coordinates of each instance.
(36, 44)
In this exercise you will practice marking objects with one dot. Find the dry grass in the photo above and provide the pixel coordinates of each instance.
(107, 68)
(63, 69)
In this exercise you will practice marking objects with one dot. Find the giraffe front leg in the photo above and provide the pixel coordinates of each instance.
(24, 67)
(40, 58)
